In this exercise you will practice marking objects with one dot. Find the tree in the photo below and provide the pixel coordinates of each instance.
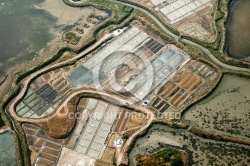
(122, 164)
(176, 162)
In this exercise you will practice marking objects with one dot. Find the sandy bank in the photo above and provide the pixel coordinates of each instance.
(4, 129)
(64, 13)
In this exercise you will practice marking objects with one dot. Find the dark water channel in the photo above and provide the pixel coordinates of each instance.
(238, 29)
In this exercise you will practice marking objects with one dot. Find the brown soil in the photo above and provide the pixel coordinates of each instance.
(101, 163)
(108, 155)
(131, 125)
(167, 88)
(61, 125)
(174, 98)
(219, 137)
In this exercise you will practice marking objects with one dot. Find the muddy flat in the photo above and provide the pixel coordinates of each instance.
(226, 110)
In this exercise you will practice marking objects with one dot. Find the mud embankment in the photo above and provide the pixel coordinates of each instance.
(4, 129)
(211, 135)
(3, 78)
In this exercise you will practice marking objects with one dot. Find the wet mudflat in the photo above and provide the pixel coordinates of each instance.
(31, 30)
(238, 29)
(226, 110)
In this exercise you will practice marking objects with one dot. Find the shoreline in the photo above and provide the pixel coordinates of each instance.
(4, 129)
(7, 82)
(48, 52)
(3, 78)
(53, 46)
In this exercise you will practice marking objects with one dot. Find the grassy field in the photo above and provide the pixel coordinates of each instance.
(163, 157)
(71, 38)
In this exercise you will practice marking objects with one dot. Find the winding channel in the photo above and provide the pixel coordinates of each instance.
(214, 59)
(126, 146)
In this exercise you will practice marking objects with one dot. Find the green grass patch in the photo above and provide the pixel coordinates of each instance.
(176, 161)
(166, 153)
(71, 38)
(163, 157)
(120, 11)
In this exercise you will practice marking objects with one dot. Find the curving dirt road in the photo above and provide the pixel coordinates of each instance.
(27, 80)
(214, 59)
(124, 149)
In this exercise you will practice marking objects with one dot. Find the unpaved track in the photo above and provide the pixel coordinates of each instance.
(27, 81)
(124, 102)
(213, 58)
(125, 148)
(127, 144)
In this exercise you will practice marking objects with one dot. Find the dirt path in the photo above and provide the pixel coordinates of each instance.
(125, 148)
(123, 102)
(19, 97)
(4, 129)
(213, 58)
